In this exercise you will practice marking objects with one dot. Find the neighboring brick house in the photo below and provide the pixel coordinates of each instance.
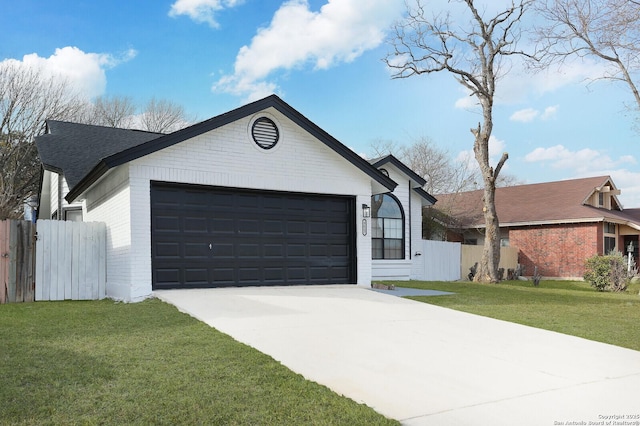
(259, 195)
(556, 225)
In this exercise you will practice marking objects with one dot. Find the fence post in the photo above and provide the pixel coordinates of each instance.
(24, 269)
(4, 260)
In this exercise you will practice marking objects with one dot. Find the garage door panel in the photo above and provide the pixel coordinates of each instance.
(167, 276)
(195, 224)
(296, 227)
(248, 251)
(249, 276)
(196, 251)
(196, 276)
(224, 275)
(275, 227)
(168, 223)
(168, 250)
(216, 237)
(222, 226)
(222, 250)
(296, 250)
(296, 275)
(248, 226)
(274, 250)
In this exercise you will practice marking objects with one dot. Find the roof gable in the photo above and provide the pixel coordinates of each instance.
(417, 182)
(155, 144)
(390, 159)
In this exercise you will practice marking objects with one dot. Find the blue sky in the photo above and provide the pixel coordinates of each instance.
(325, 59)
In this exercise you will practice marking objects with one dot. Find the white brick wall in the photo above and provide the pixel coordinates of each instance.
(224, 157)
(109, 202)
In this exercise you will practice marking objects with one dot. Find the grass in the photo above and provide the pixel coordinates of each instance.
(103, 362)
(569, 307)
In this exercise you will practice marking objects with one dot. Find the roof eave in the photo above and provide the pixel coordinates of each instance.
(430, 199)
(413, 176)
(542, 222)
(92, 177)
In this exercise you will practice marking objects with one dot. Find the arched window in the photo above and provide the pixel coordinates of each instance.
(387, 227)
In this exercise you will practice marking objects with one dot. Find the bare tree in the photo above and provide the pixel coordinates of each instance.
(27, 98)
(163, 116)
(471, 51)
(606, 30)
(435, 165)
(160, 116)
(444, 173)
(114, 111)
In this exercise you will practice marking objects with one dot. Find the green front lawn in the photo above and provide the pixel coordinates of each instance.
(146, 363)
(569, 307)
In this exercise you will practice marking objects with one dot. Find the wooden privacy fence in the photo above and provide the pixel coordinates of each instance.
(17, 259)
(53, 260)
(473, 254)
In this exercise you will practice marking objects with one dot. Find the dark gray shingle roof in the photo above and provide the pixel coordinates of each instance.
(75, 149)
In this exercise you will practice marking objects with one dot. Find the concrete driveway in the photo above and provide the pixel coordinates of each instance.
(422, 364)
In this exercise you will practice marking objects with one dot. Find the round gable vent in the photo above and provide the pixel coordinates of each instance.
(265, 133)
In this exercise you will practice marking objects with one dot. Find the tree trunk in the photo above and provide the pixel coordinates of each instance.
(488, 267)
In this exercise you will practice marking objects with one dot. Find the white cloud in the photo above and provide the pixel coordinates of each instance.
(467, 102)
(297, 36)
(84, 72)
(550, 112)
(525, 115)
(584, 161)
(202, 10)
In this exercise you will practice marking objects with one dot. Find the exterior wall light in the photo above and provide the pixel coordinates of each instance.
(366, 211)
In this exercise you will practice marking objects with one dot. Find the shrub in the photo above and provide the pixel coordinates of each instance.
(607, 272)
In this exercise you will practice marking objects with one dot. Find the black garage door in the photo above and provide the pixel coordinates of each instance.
(219, 237)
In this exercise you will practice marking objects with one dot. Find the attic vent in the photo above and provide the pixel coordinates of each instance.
(265, 133)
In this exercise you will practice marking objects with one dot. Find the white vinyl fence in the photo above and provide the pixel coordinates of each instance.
(70, 260)
(439, 261)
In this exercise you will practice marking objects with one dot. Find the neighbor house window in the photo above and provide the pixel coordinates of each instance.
(387, 228)
(609, 228)
(609, 244)
(609, 241)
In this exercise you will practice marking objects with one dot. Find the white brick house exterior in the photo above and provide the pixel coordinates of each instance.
(223, 154)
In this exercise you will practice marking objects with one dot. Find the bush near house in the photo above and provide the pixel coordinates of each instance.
(608, 273)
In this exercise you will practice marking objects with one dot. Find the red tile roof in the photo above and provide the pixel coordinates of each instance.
(551, 202)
